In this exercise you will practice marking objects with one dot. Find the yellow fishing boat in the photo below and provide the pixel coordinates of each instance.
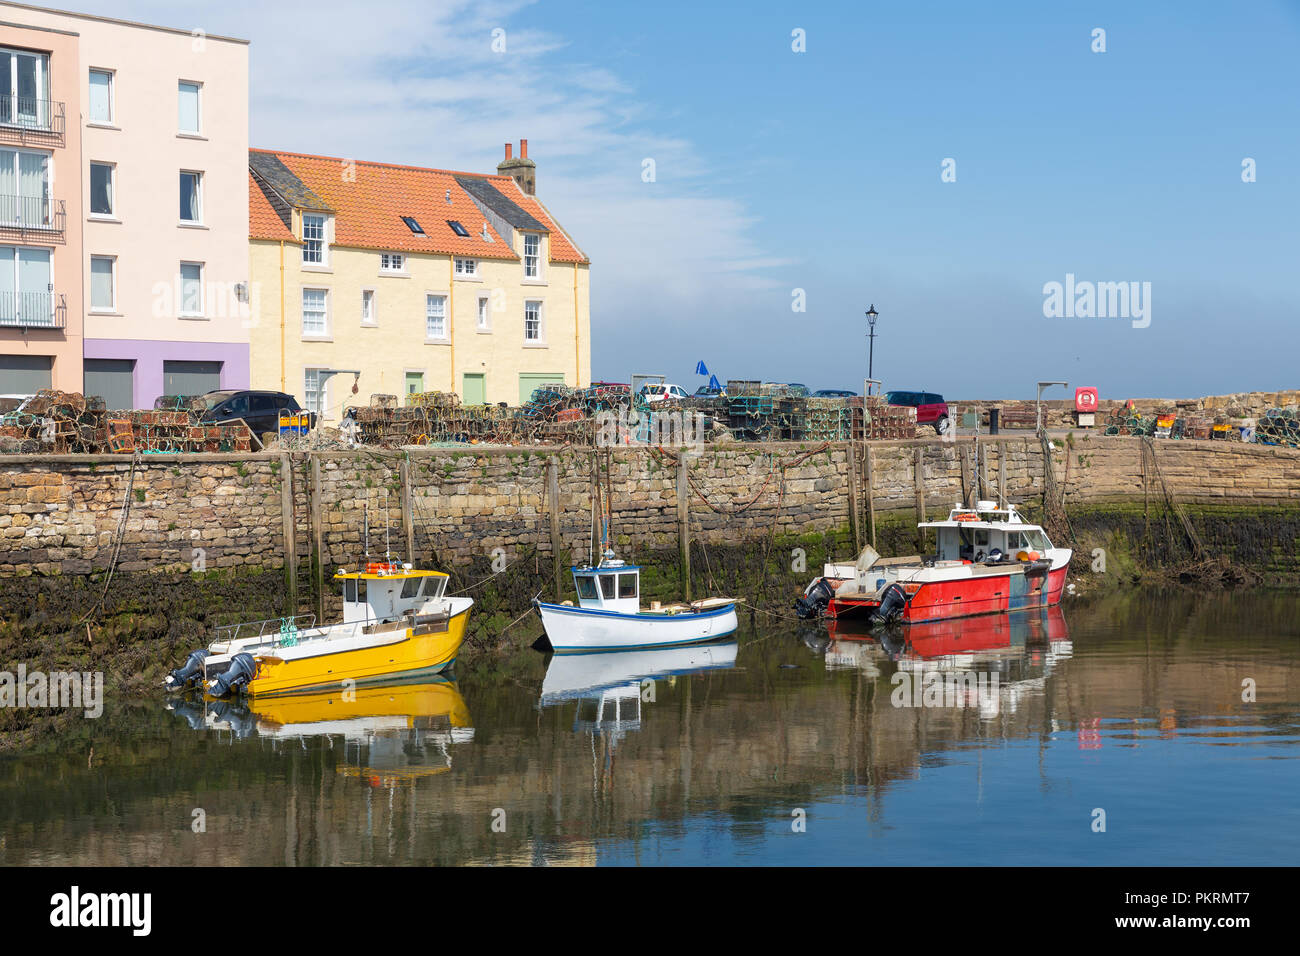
(384, 707)
(398, 624)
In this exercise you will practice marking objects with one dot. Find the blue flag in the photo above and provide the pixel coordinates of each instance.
(700, 369)
(714, 384)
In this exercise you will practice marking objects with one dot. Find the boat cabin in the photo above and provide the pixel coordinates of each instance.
(386, 590)
(613, 586)
(987, 534)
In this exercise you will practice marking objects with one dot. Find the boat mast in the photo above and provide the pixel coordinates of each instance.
(365, 527)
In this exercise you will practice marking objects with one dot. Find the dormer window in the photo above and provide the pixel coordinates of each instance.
(532, 255)
(315, 245)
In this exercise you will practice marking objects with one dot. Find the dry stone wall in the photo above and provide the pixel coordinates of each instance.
(64, 514)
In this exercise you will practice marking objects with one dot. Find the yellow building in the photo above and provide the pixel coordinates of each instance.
(420, 279)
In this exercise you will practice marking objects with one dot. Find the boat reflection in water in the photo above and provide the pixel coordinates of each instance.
(609, 688)
(1019, 650)
(391, 734)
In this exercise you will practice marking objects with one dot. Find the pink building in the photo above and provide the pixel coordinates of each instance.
(40, 209)
(152, 144)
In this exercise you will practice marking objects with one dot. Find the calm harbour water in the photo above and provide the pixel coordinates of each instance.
(784, 747)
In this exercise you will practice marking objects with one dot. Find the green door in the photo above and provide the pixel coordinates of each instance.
(414, 382)
(528, 381)
(475, 390)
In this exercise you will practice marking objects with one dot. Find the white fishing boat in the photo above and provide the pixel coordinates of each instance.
(609, 616)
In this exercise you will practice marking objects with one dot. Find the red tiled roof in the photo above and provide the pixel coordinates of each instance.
(370, 199)
(263, 222)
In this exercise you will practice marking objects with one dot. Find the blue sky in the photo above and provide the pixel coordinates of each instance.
(820, 171)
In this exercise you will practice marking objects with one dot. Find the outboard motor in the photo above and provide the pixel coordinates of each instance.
(191, 713)
(892, 603)
(815, 639)
(242, 669)
(234, 715)
(187, 674)
(814, 600)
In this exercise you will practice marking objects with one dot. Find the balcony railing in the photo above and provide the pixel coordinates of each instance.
(25, 114)
(39, 214)
(33, 310)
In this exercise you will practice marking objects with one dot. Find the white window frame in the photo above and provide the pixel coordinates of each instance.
(466, 268)
(180, 287)
(540, 341)
(324, 240)
(536, 274)
(112, 307)
(14, 263)
(47, 186)
(328, 320)
(445, 338)
(199, 189)
(373, 320)
(309, 396)
(112, 92)
(43, 118)
(386, 266)
(483, 317)
(198, 108)
(112, 190)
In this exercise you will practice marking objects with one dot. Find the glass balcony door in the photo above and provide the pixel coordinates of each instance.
(26, 293)
(24, 89)
(24, 188)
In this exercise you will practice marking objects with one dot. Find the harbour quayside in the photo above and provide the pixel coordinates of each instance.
(398, 622)
(987, 560)
(609, 616)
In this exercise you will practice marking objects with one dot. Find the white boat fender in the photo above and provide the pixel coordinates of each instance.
(242, 669)
(187, 673)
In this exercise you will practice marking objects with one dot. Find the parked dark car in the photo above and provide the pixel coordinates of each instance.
(931, 409)
(260, 410)
(833, 393)
(705, 392)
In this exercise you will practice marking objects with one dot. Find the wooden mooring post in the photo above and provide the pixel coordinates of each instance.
(1002, 473)
(289, 529)
(408, 508)
(684, 523)
(920, 495)
(870, 495)
(553, 500)
(317, 537)
(855, 516)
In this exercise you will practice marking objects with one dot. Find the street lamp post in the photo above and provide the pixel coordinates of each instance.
(872, 315)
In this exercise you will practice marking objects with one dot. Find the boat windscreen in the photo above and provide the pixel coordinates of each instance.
(627, 585)
(607, 585)
(1037, 540)
(586, 587)
(410, 587)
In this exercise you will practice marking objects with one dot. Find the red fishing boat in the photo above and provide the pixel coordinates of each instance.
(987, 560)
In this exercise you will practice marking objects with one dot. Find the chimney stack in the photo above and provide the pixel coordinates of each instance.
(521, 169)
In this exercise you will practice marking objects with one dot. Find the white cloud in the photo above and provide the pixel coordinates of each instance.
(325, 79)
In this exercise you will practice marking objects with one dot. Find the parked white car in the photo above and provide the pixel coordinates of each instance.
(663, 393)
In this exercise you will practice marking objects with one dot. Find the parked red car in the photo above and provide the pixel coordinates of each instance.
(931, 409)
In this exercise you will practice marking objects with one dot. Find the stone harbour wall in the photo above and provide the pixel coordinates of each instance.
(307, 511)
